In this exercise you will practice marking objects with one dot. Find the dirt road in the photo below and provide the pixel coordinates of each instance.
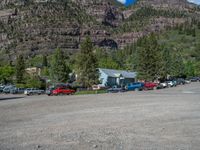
(166, 119)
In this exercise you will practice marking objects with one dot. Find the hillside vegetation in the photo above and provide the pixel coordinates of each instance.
(155, 38)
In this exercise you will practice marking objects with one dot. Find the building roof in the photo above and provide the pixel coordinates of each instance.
(118, 73)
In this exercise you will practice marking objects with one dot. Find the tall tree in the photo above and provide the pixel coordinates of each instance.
(178, 68)
(105, 60)
(149, 58)
(6, 74)
(59, 70)
(44, 61)
(189, 69)
(87, 65)
(20, 69)
(197, 52)
(166, 62)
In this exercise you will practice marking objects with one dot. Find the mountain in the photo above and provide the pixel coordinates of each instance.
(33, 27)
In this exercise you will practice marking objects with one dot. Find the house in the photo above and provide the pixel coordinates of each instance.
(33, 71)
(110, 77)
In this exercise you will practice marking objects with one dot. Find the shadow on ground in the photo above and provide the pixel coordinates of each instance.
(10, 98)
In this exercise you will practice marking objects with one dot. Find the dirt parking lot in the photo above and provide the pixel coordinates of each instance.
(166, 119)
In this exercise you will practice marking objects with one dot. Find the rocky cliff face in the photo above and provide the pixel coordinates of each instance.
(33, 27)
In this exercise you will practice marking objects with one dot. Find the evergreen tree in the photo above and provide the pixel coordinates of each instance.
(189, 69)
(198, 25)
(193, 32)
(166, 63)
(197, 68)
(86, 65)
(177, 64)
(197, 52)
(44, 61)
(59, 70)
(149, 58)
(6, 74)
(34, 81)
(20, 69)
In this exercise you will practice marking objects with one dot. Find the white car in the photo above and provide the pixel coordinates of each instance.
(187, 81)
(98, 87)
(33, 91)
(170, 83)
(164, 84)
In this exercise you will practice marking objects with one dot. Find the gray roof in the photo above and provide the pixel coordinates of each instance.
(118, 73)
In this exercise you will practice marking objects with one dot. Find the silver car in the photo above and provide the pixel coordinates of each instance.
(33, 91)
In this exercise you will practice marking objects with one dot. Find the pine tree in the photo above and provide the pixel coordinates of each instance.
(20, 69)
(197, 52)
(59, 70)
(193, 32)
(149, 58)
(198, 25)
(178, 67)
(189, 69)
(166, 63)
(44, 61)
(87, 65)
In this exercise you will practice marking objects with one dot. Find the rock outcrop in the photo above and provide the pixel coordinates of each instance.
(33, 27)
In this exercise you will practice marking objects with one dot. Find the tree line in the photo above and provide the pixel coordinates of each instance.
(150, 58)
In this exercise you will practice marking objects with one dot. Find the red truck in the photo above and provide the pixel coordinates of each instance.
(150, 86)
(63, 91)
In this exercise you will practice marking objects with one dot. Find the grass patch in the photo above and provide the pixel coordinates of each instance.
(91, 92)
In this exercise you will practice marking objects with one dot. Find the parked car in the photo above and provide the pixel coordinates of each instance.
(63, 90)
(163, 84)
(171, 83)
(7, 89)
(116, 89)
(98, 87)
(33, 91)
(194, 79)
(174, 82)
(150, 86)
(187, 81)
(1, 88)
(137, 86)
(17, 90)
(49, 91)
(180, 81)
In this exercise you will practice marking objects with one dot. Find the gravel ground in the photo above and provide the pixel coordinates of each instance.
(166, 119)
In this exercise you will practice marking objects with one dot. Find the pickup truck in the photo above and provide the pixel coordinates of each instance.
(62, 91)
(137, 86)
(33, 91)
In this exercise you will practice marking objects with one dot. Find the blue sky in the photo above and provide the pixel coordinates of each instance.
(195, 1)
(127, 2)
(130, 2)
